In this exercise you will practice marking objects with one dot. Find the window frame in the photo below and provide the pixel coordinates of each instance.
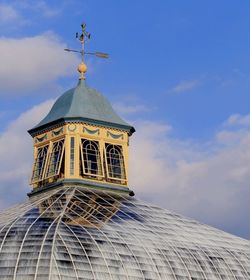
(52, 143)
(100, 174)
(122, 166)
(44, 167)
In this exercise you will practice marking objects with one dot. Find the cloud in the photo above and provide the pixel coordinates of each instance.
(32, 62)
(207, 181)
(238, 120)
(22, 13)
(16, 155)
(131, 104)
(47, 11)
(185, 86)
(9, 15)
(125, 109)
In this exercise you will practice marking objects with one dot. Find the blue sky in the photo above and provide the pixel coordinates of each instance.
(153, 49)
(177, 69)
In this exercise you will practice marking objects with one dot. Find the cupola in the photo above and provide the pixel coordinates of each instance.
(82, 141)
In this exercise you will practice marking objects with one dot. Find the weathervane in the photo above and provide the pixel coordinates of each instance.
(83, 37)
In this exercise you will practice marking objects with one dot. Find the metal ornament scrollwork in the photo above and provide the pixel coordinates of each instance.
(115, 136)
(57, 132)
(90, 131)
(40, 139)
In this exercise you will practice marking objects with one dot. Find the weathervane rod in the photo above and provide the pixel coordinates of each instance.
(83, 37)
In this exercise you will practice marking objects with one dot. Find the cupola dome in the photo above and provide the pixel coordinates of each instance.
(82, 104)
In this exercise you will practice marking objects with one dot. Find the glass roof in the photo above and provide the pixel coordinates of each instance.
(78, 233)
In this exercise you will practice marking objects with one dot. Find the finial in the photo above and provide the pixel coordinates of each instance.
(83, 37)
(82, 69)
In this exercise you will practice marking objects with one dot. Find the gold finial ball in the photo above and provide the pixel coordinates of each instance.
(82, 68)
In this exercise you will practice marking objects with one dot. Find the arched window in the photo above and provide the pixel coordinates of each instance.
(91, 158)
(39, 165)
(115, 162)
(55, 159)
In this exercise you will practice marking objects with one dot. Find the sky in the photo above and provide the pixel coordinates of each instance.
(179, 71)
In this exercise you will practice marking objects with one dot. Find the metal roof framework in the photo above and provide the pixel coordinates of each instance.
(80, 233)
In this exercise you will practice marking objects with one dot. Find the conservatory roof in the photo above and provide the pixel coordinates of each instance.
(79, 233)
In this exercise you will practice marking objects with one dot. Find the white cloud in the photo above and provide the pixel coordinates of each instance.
(229, 138)
(32, 62)
(185, 86)
(16, 155)
(14, 15)
(10, 15)
(43, 8)
(125, 109)
(207, 181)
(237, 119)
(130, 104)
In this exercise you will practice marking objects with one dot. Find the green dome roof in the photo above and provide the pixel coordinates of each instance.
(83, 104)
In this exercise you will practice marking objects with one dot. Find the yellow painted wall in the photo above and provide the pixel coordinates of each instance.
(80, 130)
